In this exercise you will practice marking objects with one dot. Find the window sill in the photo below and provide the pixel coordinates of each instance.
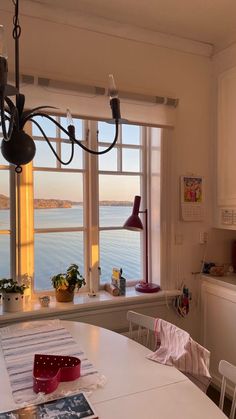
(83, 303)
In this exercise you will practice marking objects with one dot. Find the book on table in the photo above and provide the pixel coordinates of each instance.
(71, 407)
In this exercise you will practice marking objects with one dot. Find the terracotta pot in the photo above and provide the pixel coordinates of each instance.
(12, 302)
(64, 296)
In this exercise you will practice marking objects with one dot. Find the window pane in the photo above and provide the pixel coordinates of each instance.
(4, 200)
(116, 195)
(114, 216)
(78, 128)
(77, 162)
(131, 160)
(44, 156)
(120, 249)
(54, 252)
(131, 134)
(106, 132)
(4, 256)
(108, 161)
(60, 197)
(48, 127)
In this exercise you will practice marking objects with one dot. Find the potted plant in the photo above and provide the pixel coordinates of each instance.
(12, 295)
(65, 284)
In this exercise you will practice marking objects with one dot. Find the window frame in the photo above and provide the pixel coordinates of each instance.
(59, 168)
(142, 174)
(91, 235)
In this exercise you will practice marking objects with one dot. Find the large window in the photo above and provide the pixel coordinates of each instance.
(75, 213)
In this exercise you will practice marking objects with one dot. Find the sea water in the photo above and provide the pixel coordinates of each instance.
(54, 251)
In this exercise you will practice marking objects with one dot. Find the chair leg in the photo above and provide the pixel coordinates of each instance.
(222, 393)
(232, 411)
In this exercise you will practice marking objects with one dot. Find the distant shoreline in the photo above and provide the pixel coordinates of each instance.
(61, 203)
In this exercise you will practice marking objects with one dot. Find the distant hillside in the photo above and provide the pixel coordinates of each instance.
(61, 203)
(51, 203)
(38, 203)
(116, 203)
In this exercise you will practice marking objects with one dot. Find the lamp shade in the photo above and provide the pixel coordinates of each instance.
(134, 222)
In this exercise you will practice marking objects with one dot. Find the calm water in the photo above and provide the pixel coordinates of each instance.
(55, 251)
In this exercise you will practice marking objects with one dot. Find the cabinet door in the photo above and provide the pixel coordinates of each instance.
(226, 139)
(218, 326)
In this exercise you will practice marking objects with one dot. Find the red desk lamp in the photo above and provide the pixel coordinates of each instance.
(134, 223)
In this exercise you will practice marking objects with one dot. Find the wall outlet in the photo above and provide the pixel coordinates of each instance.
(203, 237)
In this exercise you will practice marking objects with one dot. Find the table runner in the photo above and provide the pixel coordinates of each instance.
(19, 347)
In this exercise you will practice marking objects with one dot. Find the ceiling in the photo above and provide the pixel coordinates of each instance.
(207, 21)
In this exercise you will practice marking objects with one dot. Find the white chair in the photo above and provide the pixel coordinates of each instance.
(144, 334)
(229, 372)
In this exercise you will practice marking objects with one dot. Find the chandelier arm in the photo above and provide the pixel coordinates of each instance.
(97, 153)
(29, 114)
(20, 103)
(50, 145)
(10, 104)
(6, 134)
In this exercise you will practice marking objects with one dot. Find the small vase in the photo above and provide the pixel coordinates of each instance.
(64, 296)
(12, 302)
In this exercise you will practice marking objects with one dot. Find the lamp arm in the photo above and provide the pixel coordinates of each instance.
(50, 145)
(73, 137)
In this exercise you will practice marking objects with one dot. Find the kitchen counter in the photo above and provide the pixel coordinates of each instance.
(227, 281)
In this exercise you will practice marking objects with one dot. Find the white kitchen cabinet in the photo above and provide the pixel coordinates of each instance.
(226, 151)
(218, 325)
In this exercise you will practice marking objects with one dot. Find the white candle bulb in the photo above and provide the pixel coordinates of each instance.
(69, 118)
(113, 92)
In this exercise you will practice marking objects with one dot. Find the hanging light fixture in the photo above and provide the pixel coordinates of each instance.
(17, 147)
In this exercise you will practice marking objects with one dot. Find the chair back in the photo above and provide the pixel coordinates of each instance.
(228, 371)
(144, 333)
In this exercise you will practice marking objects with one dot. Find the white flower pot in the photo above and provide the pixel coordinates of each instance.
(12, 302)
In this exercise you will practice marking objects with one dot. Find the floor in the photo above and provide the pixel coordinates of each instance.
(214, 395)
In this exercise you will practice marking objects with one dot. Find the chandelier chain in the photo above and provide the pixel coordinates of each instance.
(16, 24)
(15, 114)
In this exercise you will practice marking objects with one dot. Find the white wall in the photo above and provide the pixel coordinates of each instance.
(68, 53)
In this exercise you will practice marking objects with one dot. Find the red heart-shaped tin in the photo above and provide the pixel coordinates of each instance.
(50, 370)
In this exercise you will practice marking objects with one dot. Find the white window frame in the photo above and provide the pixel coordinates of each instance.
(143, 182)
(20, 266)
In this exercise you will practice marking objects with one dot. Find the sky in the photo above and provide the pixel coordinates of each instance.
(70, 185)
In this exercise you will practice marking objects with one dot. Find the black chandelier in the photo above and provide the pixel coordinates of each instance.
(17, 147)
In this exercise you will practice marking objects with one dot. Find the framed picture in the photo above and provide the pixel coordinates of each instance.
(192, 198)
(192, 189)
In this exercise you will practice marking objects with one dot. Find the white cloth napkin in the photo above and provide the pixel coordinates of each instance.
(176, 347)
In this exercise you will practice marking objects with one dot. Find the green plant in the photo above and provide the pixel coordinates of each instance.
(70, 280)
(10, 286)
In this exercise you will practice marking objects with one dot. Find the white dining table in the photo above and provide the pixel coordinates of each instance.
(136, 388)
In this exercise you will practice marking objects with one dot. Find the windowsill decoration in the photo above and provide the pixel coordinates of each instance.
(12, 295)
(65, 284)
